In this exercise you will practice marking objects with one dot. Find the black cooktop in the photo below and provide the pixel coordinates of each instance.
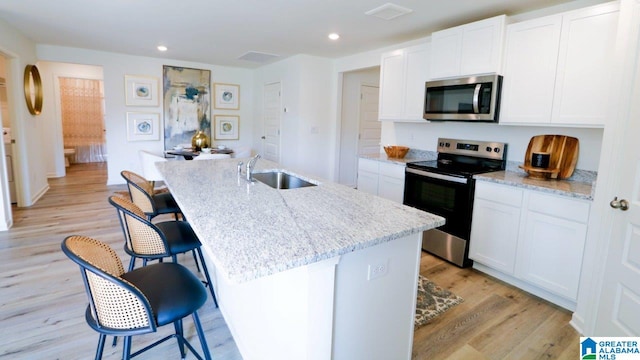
(458, 165)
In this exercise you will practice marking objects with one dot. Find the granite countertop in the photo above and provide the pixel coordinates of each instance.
(576, 189)
(412, 155)
(580, 185)
(251, 230)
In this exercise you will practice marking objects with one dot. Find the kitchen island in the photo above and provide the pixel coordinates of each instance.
(321, 272)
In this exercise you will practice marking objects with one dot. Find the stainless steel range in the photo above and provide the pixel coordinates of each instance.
(446, 187)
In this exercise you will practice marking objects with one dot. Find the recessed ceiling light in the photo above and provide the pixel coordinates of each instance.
(162, 48)
(334, 36)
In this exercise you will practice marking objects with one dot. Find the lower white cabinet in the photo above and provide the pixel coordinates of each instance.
(381, 178)
(530, 239)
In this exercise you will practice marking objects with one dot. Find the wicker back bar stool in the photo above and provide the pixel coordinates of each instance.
(155, 241)
(136, 302)
(153, 203)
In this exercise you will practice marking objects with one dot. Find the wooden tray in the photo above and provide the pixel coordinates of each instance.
(564, 156)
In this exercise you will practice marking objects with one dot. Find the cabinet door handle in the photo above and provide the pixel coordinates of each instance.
(619, 204)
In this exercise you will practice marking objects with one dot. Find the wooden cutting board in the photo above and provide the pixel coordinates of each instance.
(563, 152)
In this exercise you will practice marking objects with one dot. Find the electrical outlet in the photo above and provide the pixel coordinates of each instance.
(377, 270)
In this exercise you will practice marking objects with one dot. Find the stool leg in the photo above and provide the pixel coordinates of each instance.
(180, 336)
(206, 274)
(100, 348)
(132, 263)
(126, 348)
(203, 340)
(196, 260)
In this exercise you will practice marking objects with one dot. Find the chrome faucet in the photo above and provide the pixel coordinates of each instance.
(250, 165)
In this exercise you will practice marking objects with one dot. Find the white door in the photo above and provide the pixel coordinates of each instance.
(620, 295)
(369, 125)
(272, 113)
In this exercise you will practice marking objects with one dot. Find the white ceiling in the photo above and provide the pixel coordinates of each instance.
(219, 32)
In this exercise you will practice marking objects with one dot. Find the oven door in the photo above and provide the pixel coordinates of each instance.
(446, 195)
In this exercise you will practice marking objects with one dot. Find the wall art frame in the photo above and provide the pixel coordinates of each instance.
(186, 104)
(227, 127)
(142, 126)
(227, 96)
(141, 90)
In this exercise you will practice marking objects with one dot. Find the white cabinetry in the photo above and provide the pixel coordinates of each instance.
(469, 49)
(558, 68)
(402, 76)
(368, 176)
(530, 239)
(552, 243)
(495, 228)
(381, 178)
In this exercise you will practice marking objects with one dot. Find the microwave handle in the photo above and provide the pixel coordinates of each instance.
(476, 96)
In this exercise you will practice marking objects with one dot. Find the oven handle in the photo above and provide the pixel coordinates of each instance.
(438, 176)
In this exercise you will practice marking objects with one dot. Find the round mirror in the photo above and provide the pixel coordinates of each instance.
(33, 89)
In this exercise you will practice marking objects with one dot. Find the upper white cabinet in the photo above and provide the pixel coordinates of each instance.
(469, 49)
(558, 68)
(402, 76)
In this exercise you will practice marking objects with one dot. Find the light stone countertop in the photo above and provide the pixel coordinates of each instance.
(581, 185)
(575, 189)
(252, 230)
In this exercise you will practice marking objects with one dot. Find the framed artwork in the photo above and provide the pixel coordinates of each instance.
(186, 103)
(227, 96)
(141, 90)
(143, 126)
(227, 127)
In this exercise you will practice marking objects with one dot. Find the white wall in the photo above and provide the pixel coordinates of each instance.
(31, 180)
(425, 135)
(123, 154)
(307, 131)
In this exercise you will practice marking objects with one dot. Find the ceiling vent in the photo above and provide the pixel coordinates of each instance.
(388, 11)
(258, 57)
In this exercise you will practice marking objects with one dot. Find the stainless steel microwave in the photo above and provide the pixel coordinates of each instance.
(475, 98)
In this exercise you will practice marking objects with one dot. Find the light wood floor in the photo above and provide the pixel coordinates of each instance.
(42, 298)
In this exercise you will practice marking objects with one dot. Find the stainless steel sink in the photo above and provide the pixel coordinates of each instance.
(281, 180)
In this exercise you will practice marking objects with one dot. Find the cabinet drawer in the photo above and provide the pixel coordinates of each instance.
(368, 165)
(392, 170)
(507, 195)
(561, 207)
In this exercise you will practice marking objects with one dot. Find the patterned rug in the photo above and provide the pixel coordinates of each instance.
(433, 301)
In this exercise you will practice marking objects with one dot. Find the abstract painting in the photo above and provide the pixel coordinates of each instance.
(187, 104)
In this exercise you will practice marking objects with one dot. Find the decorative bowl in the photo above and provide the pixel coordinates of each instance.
(395, 151)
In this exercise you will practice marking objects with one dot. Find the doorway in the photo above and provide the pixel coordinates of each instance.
(359, 125)
(82, 114)
(6, 130)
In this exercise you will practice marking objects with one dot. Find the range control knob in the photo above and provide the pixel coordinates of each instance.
(441, 144)
(488, 149)
(496, 150)
(447, 145)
